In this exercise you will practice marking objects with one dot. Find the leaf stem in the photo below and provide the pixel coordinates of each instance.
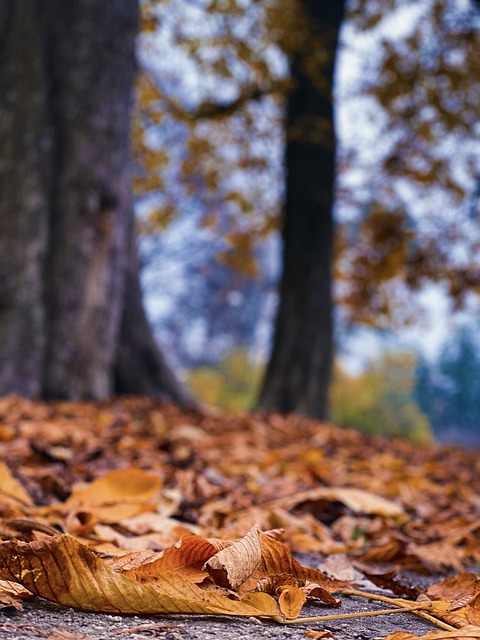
(399, 602)
(355, 614)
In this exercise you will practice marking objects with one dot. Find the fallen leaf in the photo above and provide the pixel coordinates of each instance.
(437, 556)
(12, 487)
(186, 558)
(232, 566)
(459, 590)
(66, 572)
(291, 601)
(357, 500)
(277, 559)
(118, 487)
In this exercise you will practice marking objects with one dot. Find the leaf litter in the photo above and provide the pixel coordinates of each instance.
(131, 507)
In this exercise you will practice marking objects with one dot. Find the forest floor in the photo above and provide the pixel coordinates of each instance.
(127, 479)
(45, 620)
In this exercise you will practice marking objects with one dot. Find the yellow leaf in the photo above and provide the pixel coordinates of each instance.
(119, 486)
(64, 571)
(291, 601)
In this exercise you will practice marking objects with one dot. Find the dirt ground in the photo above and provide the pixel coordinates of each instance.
(44, 620)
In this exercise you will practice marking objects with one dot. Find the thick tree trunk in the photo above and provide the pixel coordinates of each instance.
(299, 370)
(89, 57)
(23, 198)
(66, 92)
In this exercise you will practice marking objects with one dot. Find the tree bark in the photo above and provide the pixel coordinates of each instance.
(66, 93)
(23, 198)
(298, 373)
(90, 69)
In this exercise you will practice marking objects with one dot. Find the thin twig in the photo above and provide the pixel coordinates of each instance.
(355, 614)
(404, 604)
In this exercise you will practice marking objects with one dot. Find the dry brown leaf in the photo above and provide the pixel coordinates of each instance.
(314, 591)
(358, 500)
(232, 566)
(118, 487)
(459, 590)
(186, 558)
(12, 594)
(291, 601)
(12, 487)
(456, 615)
(157, 523)
(66, 572)
(277, 559)
(341, 568)
(438, 556)
(317, 635)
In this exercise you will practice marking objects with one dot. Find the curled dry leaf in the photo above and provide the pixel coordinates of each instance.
(291, 600)
(317, 635)
(66, 572)
(232, 566)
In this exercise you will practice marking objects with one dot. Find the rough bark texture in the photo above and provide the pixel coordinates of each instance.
(90, 65)
(66, 90)
(23, 198)
(298, 373)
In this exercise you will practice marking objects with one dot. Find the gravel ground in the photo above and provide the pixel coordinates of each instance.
(43, 620)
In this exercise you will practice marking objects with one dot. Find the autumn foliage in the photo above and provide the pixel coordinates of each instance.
(132, 507)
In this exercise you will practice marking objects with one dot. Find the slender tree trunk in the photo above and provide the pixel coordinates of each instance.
(66, 232)
(299, 370)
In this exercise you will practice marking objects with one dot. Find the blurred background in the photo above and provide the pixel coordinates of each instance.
(406, 94)
(306, 188)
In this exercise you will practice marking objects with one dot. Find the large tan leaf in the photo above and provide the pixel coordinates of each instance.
(11, 487)
(119, 486)
(66, 572)
(357, 500)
